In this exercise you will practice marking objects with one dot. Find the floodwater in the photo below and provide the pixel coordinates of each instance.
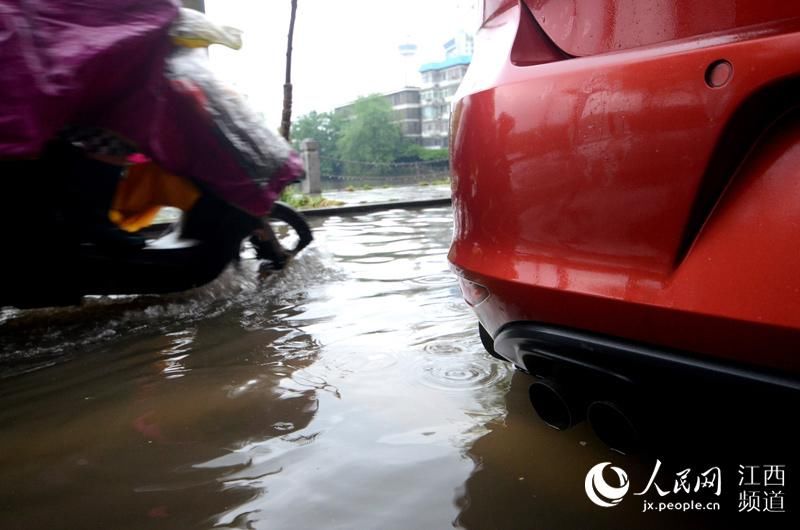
(349, 391)
(388, 194)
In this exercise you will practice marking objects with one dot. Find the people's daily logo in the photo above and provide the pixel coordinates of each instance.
(601, 492)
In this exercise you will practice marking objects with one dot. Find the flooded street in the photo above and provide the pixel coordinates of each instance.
(349, 391)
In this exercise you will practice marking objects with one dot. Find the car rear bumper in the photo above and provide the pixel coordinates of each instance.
(543, 349)
(624, 195)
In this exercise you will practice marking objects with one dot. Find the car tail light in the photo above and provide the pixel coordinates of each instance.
(493, 7)
(473, 293)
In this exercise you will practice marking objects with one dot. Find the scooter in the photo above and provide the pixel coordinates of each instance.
(51, 259)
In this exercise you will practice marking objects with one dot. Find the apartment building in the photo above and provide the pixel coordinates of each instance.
(406, 108)
(440, 82)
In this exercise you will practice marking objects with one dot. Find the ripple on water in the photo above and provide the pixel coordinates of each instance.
(443, 347)
(369, 363)
(442, 278)
(461, 375)
(374, 260)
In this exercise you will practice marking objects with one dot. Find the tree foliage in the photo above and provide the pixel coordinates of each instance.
(325, 128)
(364, 137)
(369, 134)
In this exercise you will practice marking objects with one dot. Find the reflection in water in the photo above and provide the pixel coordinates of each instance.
(528, 475)
(341, 393)
(113, 438)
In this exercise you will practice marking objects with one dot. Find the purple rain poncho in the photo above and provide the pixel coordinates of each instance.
(112, 64)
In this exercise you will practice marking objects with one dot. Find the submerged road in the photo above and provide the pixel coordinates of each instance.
(349, 391)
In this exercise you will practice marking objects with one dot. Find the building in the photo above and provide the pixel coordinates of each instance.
(440, 82)
(406, 101)
(424, 113)
(406, 107)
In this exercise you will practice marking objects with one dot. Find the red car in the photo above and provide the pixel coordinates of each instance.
(626, 190)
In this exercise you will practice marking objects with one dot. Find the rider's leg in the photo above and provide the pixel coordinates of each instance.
(90, 184)
(268, 247)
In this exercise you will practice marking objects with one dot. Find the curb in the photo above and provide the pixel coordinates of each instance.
(345, 210)
(374, 207)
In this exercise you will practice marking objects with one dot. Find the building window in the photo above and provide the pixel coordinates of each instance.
(458, 72)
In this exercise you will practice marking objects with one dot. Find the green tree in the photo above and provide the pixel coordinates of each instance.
(325, 128)
(370, 136)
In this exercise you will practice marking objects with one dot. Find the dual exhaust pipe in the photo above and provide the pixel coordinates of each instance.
(561, 407)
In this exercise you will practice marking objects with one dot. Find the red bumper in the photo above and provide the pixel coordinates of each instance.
(626, 194)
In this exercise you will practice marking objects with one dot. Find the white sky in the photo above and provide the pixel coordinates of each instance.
(342, 48)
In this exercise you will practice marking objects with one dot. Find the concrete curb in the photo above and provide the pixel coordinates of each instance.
(350, 209)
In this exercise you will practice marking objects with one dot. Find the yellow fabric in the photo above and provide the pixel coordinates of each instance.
(192, 42)
(142, 193)
(193, 29)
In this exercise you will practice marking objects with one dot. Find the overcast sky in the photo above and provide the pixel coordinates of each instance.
(342, 48)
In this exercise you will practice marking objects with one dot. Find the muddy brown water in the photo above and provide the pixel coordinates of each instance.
(348, 392)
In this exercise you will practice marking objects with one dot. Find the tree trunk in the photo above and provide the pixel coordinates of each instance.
(286, 117)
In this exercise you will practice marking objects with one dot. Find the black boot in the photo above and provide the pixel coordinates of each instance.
(268, 248)
(218, 224)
